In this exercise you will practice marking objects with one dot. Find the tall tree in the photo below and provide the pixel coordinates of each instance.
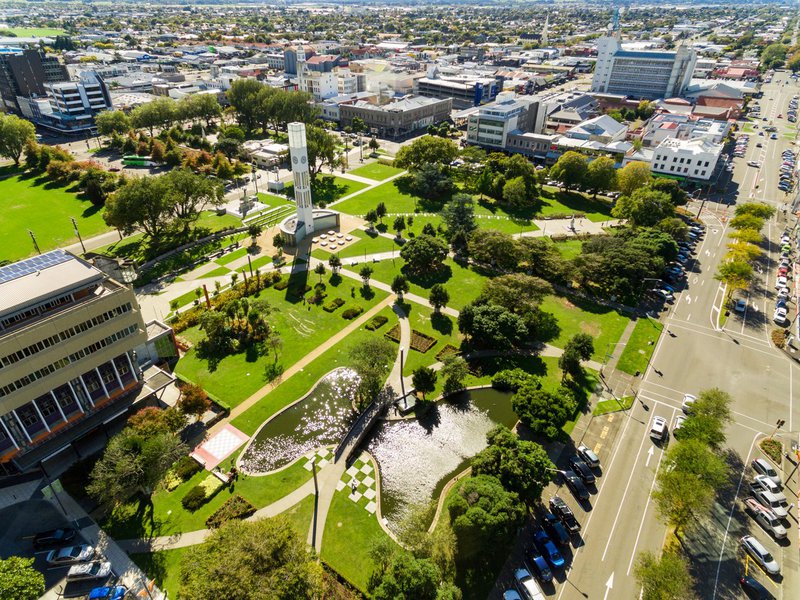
(161, 112)
(110, 122)
(438, 297)
(143, 202)
(19, 580)
(424, 380)
(601, 175)
(243, 97)
(426, 150)
(633, 176)
(645, 207)
(190, 194)
(424, 254)
(251, 560)
(372, 360)
(570, 169)
(737, 275)
(491, 326)
(400, 286)
(543, 412)
(15, 133)
(496, 249)
(454, 370)
(321, 146)
(459, 216)
(664, 578)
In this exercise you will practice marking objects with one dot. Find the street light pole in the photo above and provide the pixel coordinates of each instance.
(78, 233)
(35, 245)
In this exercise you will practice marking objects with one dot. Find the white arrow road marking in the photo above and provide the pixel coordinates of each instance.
(609, 585)
(646, 464)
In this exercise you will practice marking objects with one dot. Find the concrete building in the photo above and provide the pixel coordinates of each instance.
(490, 124)
(24, 73)
(600, 129)
(73, 105)
(693, 159)
(397, 119)
(667, 126)
(68, 366)
(464, 91)
(641, 74)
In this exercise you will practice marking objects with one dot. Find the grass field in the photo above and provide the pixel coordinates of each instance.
(218, 272)
(442, 327)
(164, 567)
(231, 256)
(554, 201)
(569, 249)
(388, 193)
(329, 188)
(640, 346)
(612, 405)
(376, 171)
(367, 244)
(32, 31)
(30, 203)
(302, 328)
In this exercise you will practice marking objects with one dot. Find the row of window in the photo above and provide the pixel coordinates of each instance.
(19, 355)
(673, 169)
(44, 307)
(60, 364)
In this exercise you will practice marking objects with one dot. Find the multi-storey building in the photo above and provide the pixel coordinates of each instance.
(464, 91)
(397, 119)
(67, 361)
(694, 159)
(24, 73)
(641, 74)
(490, 124)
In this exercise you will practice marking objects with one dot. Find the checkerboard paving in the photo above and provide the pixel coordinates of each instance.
(322, 456)
(360, 486)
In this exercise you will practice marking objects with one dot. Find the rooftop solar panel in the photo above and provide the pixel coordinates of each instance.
(33, 264)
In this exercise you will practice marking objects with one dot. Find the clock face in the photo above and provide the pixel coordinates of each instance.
(303, 159)
(294, 159)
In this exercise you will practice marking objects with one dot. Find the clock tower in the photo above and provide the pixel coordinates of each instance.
(298, 151)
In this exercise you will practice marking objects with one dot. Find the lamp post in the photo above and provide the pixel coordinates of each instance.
(255, 177)
(77, 233)
(35, 245)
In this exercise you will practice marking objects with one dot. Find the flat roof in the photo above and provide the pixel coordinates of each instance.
(35, 279)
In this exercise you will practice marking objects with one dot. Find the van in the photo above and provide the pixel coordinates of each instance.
(772, 502)
(658, 430)
(759, 553)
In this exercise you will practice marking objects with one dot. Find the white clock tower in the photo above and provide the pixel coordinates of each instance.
(302, 182)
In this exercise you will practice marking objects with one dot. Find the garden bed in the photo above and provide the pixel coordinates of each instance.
(393, 334)
(376, 322)
(448, 350)
(421, 342)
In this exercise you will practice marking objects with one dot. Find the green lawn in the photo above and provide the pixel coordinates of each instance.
(612, 405)
(231, 256)
(554, 201)
(257, 263)
(637, 352)
(33, 31)
(218, 272)
(188, 297)
(210, 220)
(463, 283)
(569, 248)
(349, 533)
(300, 516)
(376, 171)
(273, 200)
(164, 567)
(367, 244)
(388, 193)
(296, 387)
(329, 188)
(134, 520)
(302, 328)
(604, 324)
(30, 203)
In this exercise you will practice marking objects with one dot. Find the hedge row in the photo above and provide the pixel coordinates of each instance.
(333, 305)
(235, 507)
(352, 312)
(376, 322)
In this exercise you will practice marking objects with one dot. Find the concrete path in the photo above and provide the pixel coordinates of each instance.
(373, 183)
(359, 178)
(328, 477)
(549, 227)
(93, 243)
(396, 380)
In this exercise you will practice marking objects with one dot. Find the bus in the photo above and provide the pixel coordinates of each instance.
(132, 160)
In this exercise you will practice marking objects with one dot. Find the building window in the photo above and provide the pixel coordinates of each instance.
(28, 416)
(92, 385)
(671, 168)
(108, 376)
(47, 407)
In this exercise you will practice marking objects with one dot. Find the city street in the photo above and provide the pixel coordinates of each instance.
(692, 355)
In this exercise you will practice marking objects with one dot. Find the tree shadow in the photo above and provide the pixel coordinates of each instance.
(428, 279)
(366, 292)
(442, 323)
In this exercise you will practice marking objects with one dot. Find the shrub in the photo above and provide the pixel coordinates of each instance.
(352, 312)
(376, 322)
(778, 337)
(393, 334)
(282, 284)
(194, 498)
(510, 380)
(234, 507)
(186, 467)
(171, 481)
(448, 350)
(333, 305)
(773, 449)
(188, 318)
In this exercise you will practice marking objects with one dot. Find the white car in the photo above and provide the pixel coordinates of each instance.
(783, 293)
(772, 502)
(70, 554)
(766, 518)
(782, 282)
(527, 585)
(688, 400)
(763, 467)
(780, 315)
(756, 549)
(658, 430)
(760, 482)
(90, 570)
(679, 421)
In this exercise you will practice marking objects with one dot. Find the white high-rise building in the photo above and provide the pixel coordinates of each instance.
(298, 151)
(641, 74)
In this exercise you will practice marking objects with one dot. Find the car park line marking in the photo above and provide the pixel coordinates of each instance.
(730, 515)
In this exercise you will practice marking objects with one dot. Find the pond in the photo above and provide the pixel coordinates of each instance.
(417, 457)
(320, 419)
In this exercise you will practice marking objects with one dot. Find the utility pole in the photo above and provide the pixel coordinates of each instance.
(35, 245)
(78, 233)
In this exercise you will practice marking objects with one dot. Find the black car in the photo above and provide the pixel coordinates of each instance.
(754, 590)
(575, 485)
(564, 512)
(53, 537)
(582, 469)
(555, 528)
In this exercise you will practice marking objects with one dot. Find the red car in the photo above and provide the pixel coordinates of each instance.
(782, 272)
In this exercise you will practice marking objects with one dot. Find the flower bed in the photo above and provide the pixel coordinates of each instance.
(394, 333)
(448, 350)
(421, 342)
(201, 493)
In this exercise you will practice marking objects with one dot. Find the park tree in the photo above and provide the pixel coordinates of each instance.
(645, 207)
(424, 254)
(151, 420)
(161, 112)
(438, 297)
(454, 371)
(321, 145)
(601, 174)
(483, 515)
(664, 577)
(399, 225)
(737, 275)
(425, 151)
(492, 327)
(709, 417)
(459, 217)
(372, 360)
(278, 243)
(371, 217)
(243, 97)
(540, 257)
(757, 209)
(424, 380)
(110, 122)
(194, 400)
(19, 580)
(495, 249)
(514, 192)
(677, 196)
(522, 467)
(773, 56)
(747, 221)
(400, 286)
(570, 169)
(542, 411)
(251, 560)
(365, 273)
(98, 184)
(200, 106)
(579, 347)
(335, 263)
(190, 194)
(380, 211)
(142, 203)
(674, 227)
(15, 133)
(406, 576)
(133, 463)
(743, 252)
(516, 292)
(320, 270)
(430, 181)
(633, 176)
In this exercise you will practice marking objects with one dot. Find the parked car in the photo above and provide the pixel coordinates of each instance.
(762, 467)
(781, 282)
(539, 565)
(582, 469)
(765, 517)
(527, 585)
(762, 482)
(740, 306)
(564, 512)
(511, 595)
(760, 554)
(70, 554)
(679, 421)
(783, 293)
(779, 316)
(658, 429)
(753, 589)
(548, 549)
(589, 457)
(775, 503)
(90, 570)
(53, 537)
(115, 592)
(575, 485)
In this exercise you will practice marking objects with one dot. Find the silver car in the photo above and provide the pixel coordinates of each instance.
(91, 570)
(759, 553)
(70, 554)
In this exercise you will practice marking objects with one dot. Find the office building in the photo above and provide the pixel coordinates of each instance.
(490, 124)
(641, 74)
(464, 91)
(397, 119)
(24, 73)
(694, 159)
(68, 365)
